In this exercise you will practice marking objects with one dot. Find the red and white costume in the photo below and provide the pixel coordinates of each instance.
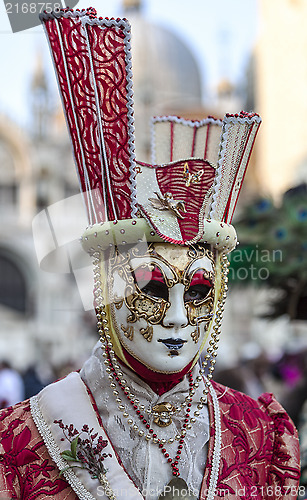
(252, 452)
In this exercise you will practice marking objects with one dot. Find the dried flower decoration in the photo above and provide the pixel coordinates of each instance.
(86, 453)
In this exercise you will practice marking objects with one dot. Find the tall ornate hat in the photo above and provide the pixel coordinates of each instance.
(185, 197)
(190, 191)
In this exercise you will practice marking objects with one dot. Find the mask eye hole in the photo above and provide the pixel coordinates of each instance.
(155, 289)
(151, 282)
(199, 289)
(197, 293)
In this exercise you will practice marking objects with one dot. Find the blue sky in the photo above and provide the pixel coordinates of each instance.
(221, 34)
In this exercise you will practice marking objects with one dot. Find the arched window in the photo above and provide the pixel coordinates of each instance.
(13, 292)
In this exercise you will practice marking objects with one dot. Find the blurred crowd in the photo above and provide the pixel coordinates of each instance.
(15, 386)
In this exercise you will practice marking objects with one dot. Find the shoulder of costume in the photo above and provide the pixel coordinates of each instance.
(266, 402)
(227, 395)
(277, 413)
(268, 410)
(19, 413)
(265, 424)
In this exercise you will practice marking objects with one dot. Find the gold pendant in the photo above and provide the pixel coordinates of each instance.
(177, 489)
(162, 413)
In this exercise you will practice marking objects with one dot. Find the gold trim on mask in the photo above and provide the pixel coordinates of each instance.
(195, 335)
(103, 292)
(147, 333)
(143, 306)
(118, 304)
(128, 332)
(153, 309)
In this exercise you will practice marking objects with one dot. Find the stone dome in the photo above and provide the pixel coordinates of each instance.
(163, 64)
(166, 77)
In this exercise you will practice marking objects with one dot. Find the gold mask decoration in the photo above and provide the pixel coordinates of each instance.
(146, 294)
(163, 295)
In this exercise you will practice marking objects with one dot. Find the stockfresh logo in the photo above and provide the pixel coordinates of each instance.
(24, 15)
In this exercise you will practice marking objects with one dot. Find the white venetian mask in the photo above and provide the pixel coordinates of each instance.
(162, 302)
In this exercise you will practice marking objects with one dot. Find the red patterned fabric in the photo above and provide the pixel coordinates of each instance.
(174, 179)
(259, 453)
(260, 457)
(26, 469)
(93, 81)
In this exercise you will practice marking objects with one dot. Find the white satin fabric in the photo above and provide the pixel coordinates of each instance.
(143, 460)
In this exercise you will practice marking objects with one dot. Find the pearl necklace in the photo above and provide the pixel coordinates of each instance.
(151, 435)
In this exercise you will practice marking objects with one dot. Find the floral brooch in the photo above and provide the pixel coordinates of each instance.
(86, 453)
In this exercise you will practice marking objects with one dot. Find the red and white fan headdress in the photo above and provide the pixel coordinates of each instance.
(189, 193)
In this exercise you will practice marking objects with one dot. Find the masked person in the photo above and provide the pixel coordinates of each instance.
(143, 418)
